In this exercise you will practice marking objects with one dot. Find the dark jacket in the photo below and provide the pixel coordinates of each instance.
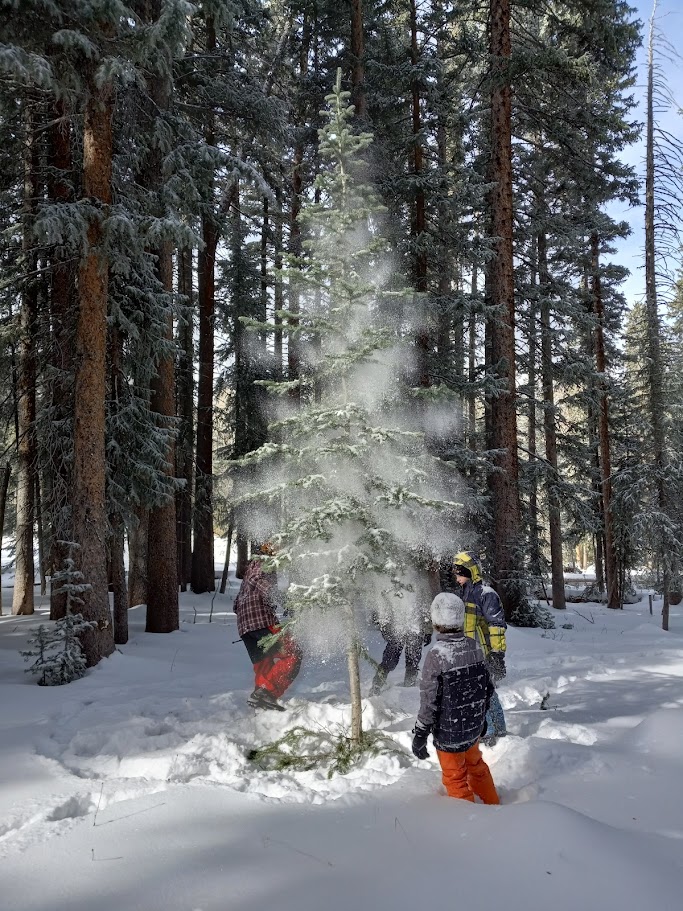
(454, 692)
(484, 616)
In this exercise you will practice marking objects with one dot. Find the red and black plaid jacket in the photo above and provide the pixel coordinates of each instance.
(254, 602)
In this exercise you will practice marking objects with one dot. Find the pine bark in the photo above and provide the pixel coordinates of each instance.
(547, 373)
(202, 553)
(4, 486)
(503, 483)
(163, 614)
(423, 341)
(138, 535)
(611, 580)
(357, 60)
(185, 414)
(23, 601)
(62, 299)
(89, 519)
(654, 361)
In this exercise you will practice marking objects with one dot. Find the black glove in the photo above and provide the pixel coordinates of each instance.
(496, 663)
(426, 639)
(420, 736)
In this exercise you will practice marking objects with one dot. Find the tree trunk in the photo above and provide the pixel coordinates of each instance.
(185, 413)
(41, 536)
(22, 602)
(654, 360)
(3, 503)
(357, 61)
(137, 557)
(503, 483)
(202, 554)
(88, 491)
(278, 291)
(611, 580)
(535, 561)
(226, 564)
(117, 574)
(162, 570)
(418, 227)
(472, 368)
(242, 555)
(295, 249)
(554, 514)
(354, 686)
(62, 307)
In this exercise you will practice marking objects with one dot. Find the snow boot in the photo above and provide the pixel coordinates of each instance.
(262, 699)
(411, 678)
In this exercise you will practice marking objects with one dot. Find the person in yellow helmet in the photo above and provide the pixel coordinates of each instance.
(485, 622)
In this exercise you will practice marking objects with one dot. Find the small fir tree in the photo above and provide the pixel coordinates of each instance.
(57, 650)
(358, 504)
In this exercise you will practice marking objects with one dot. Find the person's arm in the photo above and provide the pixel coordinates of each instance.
(429, 692)
(492, 611)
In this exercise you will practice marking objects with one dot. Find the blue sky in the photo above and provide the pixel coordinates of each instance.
(670, 24)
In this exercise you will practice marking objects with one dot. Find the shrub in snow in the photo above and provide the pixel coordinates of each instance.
(57, 650)
(533, 614)
(302, 750)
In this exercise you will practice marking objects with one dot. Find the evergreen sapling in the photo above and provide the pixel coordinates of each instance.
(57, 650)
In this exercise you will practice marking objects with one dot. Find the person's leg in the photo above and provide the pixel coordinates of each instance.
(261, 659)
(479, 776)
(454, 775)
(496, 717)
(390, 657)
(413, 643)
(286, 664)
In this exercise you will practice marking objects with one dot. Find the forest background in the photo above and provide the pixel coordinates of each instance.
(158, 161)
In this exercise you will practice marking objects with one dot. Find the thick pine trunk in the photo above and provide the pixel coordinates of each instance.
(162, 570)
(162, 563)
(22, 602)
(202, 554)
(62, 306)
(611, 580)
(554, 515)
(185, 414)
(89, 518)
(504, 482)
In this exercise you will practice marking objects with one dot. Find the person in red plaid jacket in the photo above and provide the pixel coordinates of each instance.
(275, 665)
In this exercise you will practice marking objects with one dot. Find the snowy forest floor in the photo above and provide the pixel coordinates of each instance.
(131, 788)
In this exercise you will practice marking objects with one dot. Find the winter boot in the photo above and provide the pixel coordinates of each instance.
(262, 699)
(411, 678)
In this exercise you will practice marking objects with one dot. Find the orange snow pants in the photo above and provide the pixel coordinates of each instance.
(466, 774)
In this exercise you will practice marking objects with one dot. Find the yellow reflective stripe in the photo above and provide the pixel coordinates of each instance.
(497, 636)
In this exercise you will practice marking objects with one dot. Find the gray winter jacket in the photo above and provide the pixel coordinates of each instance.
(454, 692)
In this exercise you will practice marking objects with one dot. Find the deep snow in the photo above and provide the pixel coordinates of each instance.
(130, 789)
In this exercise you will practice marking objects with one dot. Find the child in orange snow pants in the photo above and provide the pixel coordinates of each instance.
(454, 695)
(466, 774)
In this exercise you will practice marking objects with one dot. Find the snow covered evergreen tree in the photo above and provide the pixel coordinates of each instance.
(355, 505)
(57, 649)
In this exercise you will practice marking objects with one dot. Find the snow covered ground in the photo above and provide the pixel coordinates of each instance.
(130, 789)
